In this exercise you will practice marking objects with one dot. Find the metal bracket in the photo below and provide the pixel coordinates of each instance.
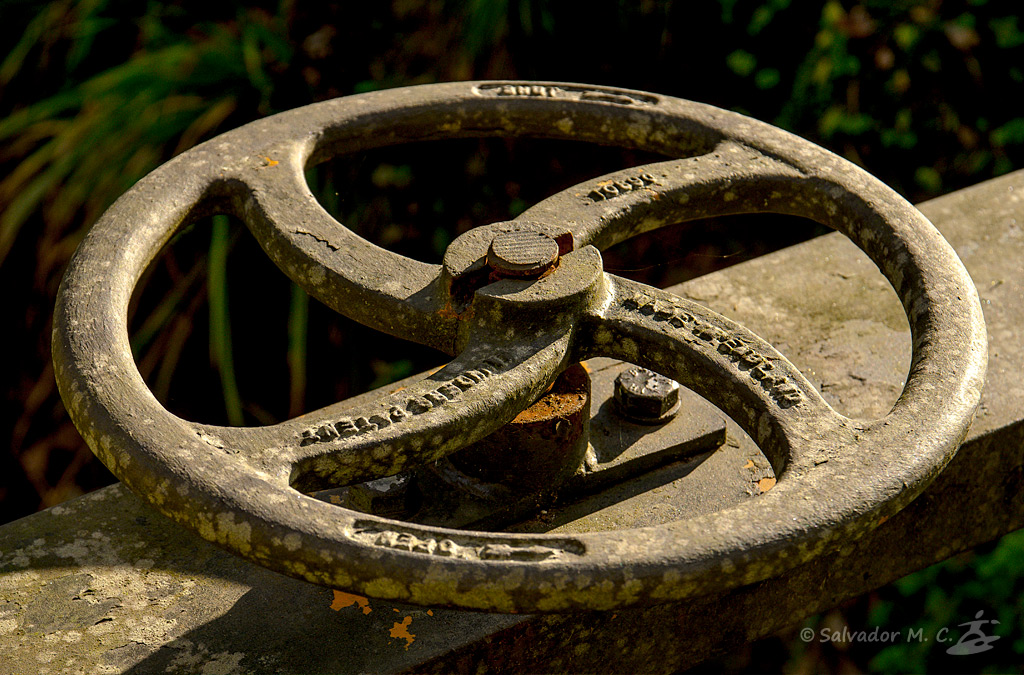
(618, 451)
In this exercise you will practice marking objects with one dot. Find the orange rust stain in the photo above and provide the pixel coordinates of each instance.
(343, 600)
(430, 612)
(749, 464)
(270, 162)
(448, 312)
(766, 484)
(882, 519)
(551, 270)
(401, 630)
(551, 406)
(566, 397)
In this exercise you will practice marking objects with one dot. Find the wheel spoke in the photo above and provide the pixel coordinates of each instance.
(374, 286)
(733, 178)
(482, 389)
(724, 362)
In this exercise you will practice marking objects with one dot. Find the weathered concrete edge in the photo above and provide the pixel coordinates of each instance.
(669, 637)
(645, 640)
(976, 499)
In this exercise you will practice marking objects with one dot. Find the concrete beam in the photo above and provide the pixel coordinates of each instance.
(103, 584)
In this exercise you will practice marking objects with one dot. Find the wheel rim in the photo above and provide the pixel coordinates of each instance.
(837, 477)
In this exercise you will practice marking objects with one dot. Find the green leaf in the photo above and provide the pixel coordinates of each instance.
(386, 372)
(906, 35)
(298, 332)
(1008, 33)
(221, 351)
(37, 27)
(764, 15)
(46, 109)
(1011, 133)
(767, 78)
(929, 179)
(741, 62)
(727, 10)
(86, 29)
(832, 13)
(165, 310)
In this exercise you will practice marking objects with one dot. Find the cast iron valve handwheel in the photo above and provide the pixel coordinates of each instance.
(242, 487)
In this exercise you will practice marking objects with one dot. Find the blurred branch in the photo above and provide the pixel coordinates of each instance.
(221, 347)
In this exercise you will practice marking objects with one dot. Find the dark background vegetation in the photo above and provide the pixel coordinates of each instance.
(94, 94)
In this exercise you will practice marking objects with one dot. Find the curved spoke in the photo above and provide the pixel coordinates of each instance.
(724, 362)
(378, 288)
(482, 389)
(734, 178)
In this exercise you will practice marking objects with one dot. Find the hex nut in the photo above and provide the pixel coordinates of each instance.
(645, 397)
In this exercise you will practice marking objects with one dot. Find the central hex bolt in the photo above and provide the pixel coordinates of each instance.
(645, 397)
(522, 254)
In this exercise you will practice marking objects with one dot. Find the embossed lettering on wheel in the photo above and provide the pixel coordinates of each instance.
(241, 487)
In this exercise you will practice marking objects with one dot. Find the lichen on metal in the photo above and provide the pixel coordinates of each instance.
(243, 488)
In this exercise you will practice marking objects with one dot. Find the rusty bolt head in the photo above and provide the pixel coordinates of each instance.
(522, 253)
(646, 397)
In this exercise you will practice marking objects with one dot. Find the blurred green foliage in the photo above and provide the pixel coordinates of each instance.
(928, 610)
(949, 594)
(96, 93)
